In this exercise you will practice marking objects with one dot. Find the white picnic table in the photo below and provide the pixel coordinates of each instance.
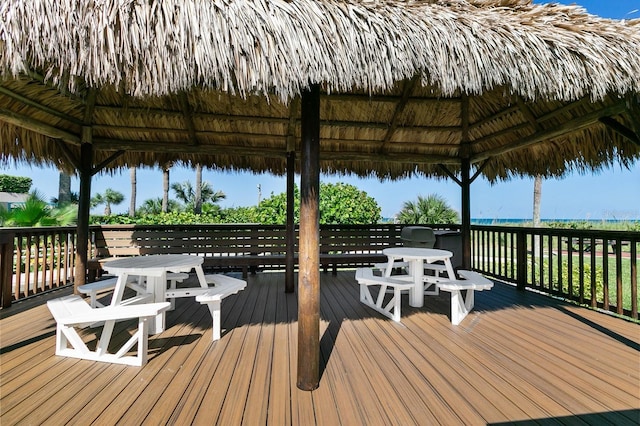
(418, 257)
(154, 269)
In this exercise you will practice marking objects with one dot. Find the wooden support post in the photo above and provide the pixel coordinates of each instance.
(465, 183)
(309, 241)
(6, 267)
(521, 256)
(466, 213)
(84, 199)
(289, 285)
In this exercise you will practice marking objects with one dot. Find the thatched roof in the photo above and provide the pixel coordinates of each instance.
(406, 85)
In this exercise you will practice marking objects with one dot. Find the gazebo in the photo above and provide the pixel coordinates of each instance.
(442, 88)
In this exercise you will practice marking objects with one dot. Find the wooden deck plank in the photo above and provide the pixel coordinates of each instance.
(260, 380)
(279, 412)
(344, 373)
(517, 357)
(251, 364)
(187, 409)
(400, 403)
(401, 367)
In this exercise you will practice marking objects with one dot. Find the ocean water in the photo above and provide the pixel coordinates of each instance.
(484, 221)
(513, 220)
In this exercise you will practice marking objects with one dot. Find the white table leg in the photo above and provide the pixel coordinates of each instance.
(416, 295)
(157, 285)
(201, 278)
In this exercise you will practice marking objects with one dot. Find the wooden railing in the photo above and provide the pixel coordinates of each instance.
(593, 267)
(35, 260)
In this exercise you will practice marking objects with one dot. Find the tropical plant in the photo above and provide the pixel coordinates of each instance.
(154, 206)
(108, 198)
(186, 193)
(73, 199)
(432, 209)
(16, 184)
(339, 204)
(36, 212)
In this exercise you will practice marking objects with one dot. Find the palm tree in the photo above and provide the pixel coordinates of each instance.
(197, 205)
(165, 187)
(109, 197)
(64, 189)
(154, 206)
(132, 201)
(187, 194)
(430, 210)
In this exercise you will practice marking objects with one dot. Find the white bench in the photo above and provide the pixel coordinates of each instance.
(430, 280)
(221, 286)
(461, 306)
(390, 309)
(97, 287)
(73, 312)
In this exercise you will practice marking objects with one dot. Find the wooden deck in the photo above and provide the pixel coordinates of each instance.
(517, 358)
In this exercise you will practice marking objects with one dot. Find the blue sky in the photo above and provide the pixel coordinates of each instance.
(614, 193)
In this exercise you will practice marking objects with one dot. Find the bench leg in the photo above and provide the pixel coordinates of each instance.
(67, 335)
(391, 309)
(461, 306)
(214, 308)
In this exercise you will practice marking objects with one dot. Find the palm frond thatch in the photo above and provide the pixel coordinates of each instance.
(406, 86)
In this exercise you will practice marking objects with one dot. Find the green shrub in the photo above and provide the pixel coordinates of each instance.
(17, 184)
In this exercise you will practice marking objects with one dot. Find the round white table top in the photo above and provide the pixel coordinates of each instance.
(417, 253)
(156, 262)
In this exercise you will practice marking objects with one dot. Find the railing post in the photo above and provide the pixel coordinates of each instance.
(6, 267)
(521, 255)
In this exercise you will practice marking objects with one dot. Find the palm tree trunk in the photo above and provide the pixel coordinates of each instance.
(64, 189)
(537, 195)
(132, 201)
(165, 188)
(197, 205)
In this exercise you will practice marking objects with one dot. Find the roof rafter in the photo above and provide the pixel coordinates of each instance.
(560, 130)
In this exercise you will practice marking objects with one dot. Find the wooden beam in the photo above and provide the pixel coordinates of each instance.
(308, 377)
(465, 229)
(563, 109)
(526, 111)
(480, 169)
(44, 108)
(560, 130)
(387, 99)
(289, 277)
(633, 107)
(84, 206)
(294, 112)
(465, 183)
(449, 173)
(178, 148)
(85, 172)
(620, 129)
(501, 133)
(493, 117)
(70, 156)
(37, 126)
(191, 131)
(187, 118)
(195, 115)
(103, 164)
(400, 106)
(181, 148)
